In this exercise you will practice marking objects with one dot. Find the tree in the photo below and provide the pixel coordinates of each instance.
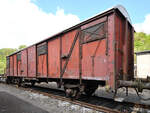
(21, 47)
(3, 53)
(141, 42)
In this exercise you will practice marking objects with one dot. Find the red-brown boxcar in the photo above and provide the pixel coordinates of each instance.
(31, 62)
(98, 51)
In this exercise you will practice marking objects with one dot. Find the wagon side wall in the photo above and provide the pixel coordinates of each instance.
(120, 46)
(31, 61)
(54, 58)
(15, 64)
(11, 66)
(111, 51)
(124, 49)
(7, 66)
(41, 57)
(24, 63)
(130, 53)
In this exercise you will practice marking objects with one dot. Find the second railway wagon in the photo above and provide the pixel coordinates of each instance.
(97, 51)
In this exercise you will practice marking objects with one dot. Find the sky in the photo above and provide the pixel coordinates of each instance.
(25, 22)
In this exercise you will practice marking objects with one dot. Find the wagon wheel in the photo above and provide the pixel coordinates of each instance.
(66, 94)
(32, 83)
(72, 93)
(19, 81)
(7, 81)
(90, 90)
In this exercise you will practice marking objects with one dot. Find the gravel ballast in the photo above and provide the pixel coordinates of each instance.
(45, 103)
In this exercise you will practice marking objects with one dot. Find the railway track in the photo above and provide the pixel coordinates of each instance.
(97, 103)
(58, 94)
(94, 102)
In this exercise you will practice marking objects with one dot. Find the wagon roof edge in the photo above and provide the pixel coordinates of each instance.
(142, 52)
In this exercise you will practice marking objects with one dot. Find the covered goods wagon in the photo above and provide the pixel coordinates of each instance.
(97, 51)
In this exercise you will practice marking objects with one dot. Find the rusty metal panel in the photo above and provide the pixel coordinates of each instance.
(124, 49)
(15, 64)
(119, 37)
(101, 20)
(11, 66)
(95, 50)
(94, 60)
(19, 64)
(24, 63)
(42, 66)
(130, 53)
(111, 51)
(72, 69)
(7, 66)
(42, 60)
(19, 67)
(54, 58)
(32, 61)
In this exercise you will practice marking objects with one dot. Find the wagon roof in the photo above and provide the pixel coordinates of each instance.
(119, 8)
(142, 52)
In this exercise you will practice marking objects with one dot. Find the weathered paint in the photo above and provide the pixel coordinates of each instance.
(54, 58)
(124, 53)
(42, 63)
(19, 68)
(24, 63)
(42, 66)
(94, 62)
(19, 65)
(11, 66)
(119, 37)
(111, 51)
(15, 64)
(73, 64)
(103, 19)
(7, 66)
(32, 61)
(130, 53)
(124, 49)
